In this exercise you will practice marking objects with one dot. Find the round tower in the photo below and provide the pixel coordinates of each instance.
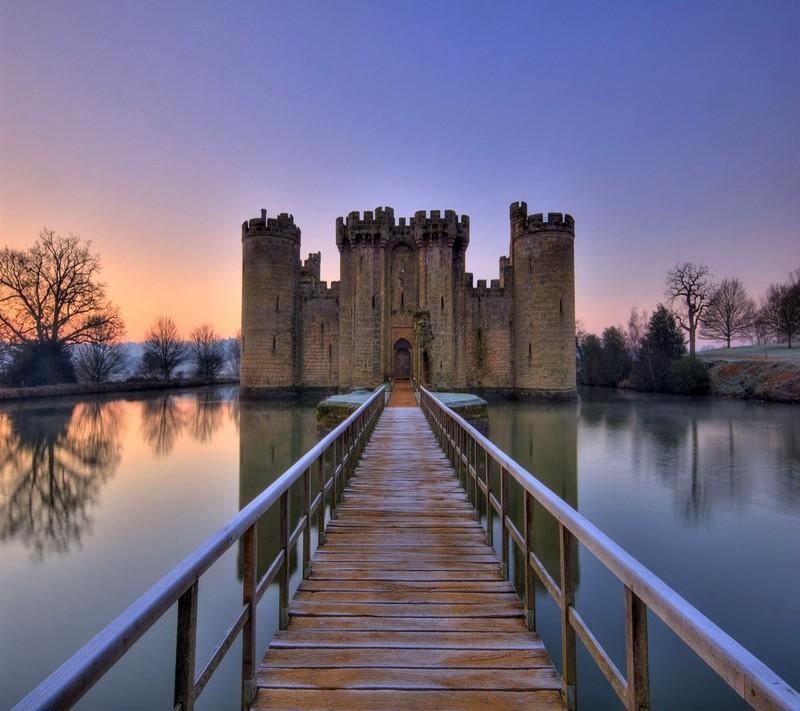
(543, 264)
(270, 275)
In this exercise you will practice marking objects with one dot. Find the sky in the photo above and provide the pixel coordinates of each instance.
(670, 131)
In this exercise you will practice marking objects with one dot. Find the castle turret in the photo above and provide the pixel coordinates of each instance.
(543, 267)
(441, 242)
(362, 265)
(270, 275)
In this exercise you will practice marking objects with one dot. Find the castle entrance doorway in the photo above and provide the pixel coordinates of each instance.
(402, 360)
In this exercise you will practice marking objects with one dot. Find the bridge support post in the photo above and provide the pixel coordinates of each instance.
(283, 604)
(185, 649)
(530, 576)
(249, 600)
(636, 653)
(568, 651)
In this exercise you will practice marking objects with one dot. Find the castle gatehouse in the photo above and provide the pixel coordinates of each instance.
(404, 307)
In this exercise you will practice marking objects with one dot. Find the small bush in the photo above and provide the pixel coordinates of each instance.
(39, 364)
(689, 376)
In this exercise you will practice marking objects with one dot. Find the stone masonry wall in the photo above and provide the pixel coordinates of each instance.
(319, 336)
(489, 342)
(270, 272)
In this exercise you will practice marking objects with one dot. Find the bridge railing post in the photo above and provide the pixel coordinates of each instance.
(321, 510)
(307, 515)
(489, 508)
(249, 600)
(568, 558)
(638, 697)
(185, 647)
(476, 489)
(504, 549)
(530, 575)
(283, 580)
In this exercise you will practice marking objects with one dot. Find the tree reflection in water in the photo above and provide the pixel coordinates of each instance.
(163, 420)
(166, 417)
(53, 462)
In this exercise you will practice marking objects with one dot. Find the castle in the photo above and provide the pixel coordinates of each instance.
(405, 307)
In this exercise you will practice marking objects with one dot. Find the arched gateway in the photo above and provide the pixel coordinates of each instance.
(402, 360)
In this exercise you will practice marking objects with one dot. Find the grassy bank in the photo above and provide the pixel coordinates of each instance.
(766, 372)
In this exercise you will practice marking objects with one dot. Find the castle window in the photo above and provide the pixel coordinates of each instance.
(330, 351)
(529, 350)
(561, 308)
(273, 344)
(373, 301)
(277, 303)
(402, 299)
(443, 302)
(530, 264)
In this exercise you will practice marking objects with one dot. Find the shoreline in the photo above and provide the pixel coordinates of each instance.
(109, 388)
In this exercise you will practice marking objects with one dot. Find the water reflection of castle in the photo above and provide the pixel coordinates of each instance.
(543, 439)
(272, 437)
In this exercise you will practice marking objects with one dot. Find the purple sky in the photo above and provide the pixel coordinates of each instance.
(670, 131)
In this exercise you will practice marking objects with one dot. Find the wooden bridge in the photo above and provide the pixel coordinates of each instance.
(405, 606)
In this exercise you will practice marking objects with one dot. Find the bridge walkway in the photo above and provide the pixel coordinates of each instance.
(405, 606)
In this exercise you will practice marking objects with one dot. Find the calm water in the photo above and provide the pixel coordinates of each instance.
(100, 498)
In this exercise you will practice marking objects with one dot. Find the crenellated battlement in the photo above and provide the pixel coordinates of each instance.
(432, 227)
(280, 226)
(372, 226)
(524, 224)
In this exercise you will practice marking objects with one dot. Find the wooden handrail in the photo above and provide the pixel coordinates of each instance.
(749, 677)
(65, 687)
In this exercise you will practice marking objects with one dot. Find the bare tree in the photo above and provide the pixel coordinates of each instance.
(49, 293)
(101, 361)
(691, 286)
(163, 350)
(780, 308)
(730, 313)
(50, 300)
(206, 352)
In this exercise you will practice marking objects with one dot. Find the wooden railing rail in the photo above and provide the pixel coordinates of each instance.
(472, 454)
(333, 459)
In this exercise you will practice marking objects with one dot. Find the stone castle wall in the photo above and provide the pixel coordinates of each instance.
(490, 356)
(515, 335)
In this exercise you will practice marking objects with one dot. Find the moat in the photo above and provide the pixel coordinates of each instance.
(100, 497)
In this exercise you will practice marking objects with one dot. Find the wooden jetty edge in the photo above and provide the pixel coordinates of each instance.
(405, 606)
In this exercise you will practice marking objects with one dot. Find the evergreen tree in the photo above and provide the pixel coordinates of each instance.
(616, 359)
(662, 345)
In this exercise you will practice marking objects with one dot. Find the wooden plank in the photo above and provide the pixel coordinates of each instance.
(303, 606)
(483, 679)
(509, 625)
(317, 657)
(369, 700)
(488, 586)
(421, 574)
(406, 640)
(411, 597)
